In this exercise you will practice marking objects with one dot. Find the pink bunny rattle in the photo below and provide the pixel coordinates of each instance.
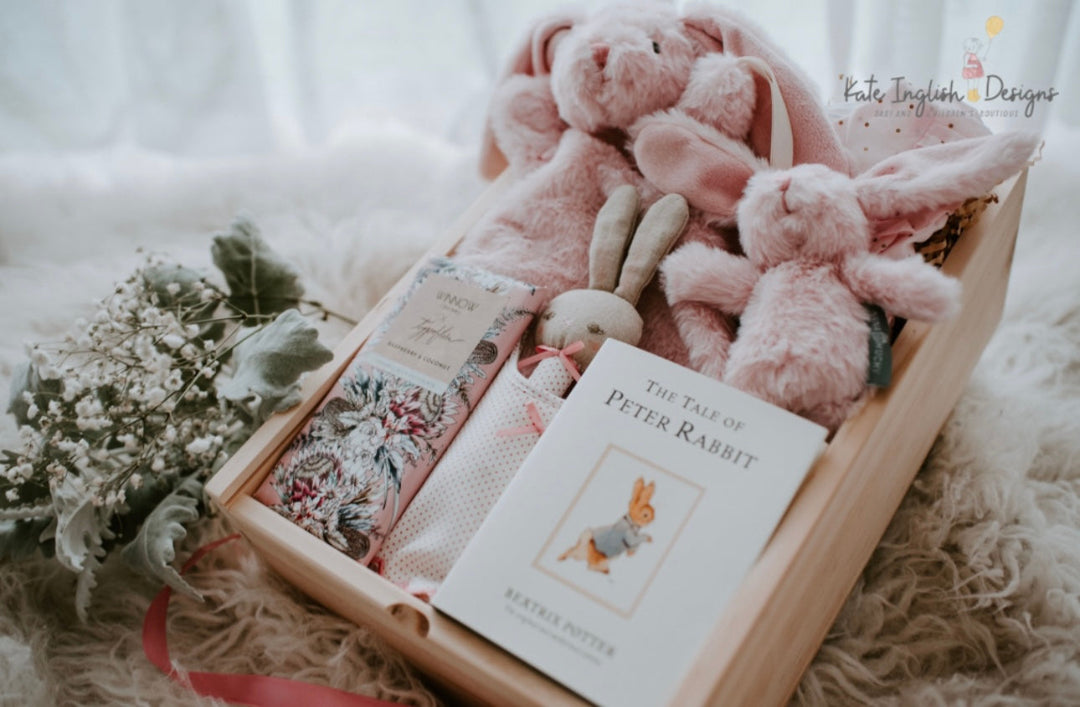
(808, 270)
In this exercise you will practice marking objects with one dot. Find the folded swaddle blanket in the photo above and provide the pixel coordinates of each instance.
(471, 476)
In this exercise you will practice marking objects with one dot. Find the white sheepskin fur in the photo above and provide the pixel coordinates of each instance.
(972, 597)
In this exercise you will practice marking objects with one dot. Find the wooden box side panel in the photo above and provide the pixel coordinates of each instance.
(790, 598)
(454, 656)
(792, 594)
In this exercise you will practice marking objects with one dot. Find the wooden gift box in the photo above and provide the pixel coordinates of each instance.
(778, 618)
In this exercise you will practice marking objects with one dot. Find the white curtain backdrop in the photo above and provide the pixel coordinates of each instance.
(219, 78)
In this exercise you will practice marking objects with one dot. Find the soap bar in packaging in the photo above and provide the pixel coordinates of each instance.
(362, 456)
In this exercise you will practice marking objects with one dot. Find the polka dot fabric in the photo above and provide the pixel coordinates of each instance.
(874, 132)
(474, 471)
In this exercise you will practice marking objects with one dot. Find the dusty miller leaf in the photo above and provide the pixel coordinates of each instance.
(140, 503)
(79, 532)
(80, 527)
(260, 281)
(152, 551)
(87, 580)
(269, 364)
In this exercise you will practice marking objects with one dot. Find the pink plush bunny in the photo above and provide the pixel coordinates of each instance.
(559, 119)
(709, 145)
(560, 116)
(803, 337)
(703, 149)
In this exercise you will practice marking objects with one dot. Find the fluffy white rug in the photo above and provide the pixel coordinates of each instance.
(973, 596)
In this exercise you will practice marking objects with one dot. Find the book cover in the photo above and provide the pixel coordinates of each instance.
(615, 549)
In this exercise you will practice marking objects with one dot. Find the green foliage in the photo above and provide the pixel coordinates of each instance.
(79, 530)
(269, 363)
(29, 496)
(140, 503)
(122, 422)
(85, 583)
(152, 550)
(261, 283)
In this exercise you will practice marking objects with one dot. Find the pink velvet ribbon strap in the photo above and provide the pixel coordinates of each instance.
(563, 354)
(256, 690)
(782, 140)
(536, 424)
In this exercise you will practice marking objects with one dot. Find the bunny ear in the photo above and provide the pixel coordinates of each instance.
(639, 484)
(614, 226)
(813, 135)
(647, 493)
(660, 227)
(942, 176)
(680, 155)
(532, 55)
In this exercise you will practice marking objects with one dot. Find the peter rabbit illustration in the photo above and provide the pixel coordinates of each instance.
(597, 546)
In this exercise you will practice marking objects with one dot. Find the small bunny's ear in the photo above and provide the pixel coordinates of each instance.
(646, 494)
(942, 176)
(680, 155)
(614, 226)
(639, 484)
(659, 229)
(532, 56)
(536, 52)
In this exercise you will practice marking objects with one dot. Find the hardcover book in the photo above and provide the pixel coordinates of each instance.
(611, 555)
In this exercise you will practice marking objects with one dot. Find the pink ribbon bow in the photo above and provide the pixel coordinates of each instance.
(563, 354)
(536, 424)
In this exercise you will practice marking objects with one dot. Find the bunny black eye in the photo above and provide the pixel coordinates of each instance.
(548, 315)
(656, 47)
(594, 328)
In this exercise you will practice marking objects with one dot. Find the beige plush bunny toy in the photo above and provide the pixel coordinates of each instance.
(608, 308)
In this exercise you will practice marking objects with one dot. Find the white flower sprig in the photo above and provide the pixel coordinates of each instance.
(122, 420)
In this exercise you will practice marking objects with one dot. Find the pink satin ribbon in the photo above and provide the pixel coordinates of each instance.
(536, 424)
(256, 690)
(563, 354)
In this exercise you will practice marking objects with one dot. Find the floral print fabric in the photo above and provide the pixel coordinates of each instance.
(362, 456)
